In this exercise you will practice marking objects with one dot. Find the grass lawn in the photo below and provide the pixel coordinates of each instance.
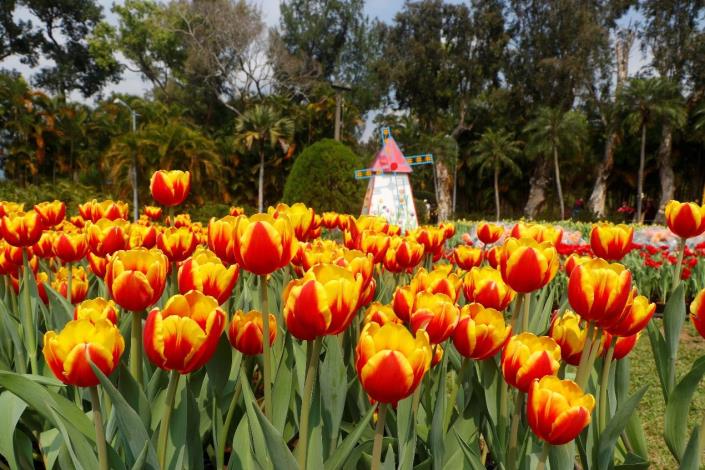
(652, 408)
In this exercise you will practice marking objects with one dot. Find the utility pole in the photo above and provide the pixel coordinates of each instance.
(339, 87)
(133, 169)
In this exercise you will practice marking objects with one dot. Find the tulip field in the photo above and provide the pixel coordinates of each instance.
(296, 340)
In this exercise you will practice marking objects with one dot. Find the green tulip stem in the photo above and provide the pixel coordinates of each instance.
(136, 347)
(220, 457)
(267, 349)
(379, 436)
(515, 312)
(311, 370)
(584, 355)
(69, 276)
(20, 360)
(166, 417)
(28, 324)
(527, 307)
(503, 421)
(544, 456)
(174, 288)
(514, 436)
(679, 264)
(99, 429)
(604, 385)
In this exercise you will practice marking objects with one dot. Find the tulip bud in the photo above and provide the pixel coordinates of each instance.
(528, 357)
(21, 229)
(570, 336)
(527, 265)
(489, 233)
(246, 332)
(467, 257)
(481, 332)
(685, 219)
(170, 188)
(95, 310)
(136, 278)
(435, 313)
(51, 213)
(205, 272)
(598, 291)
(177, 243)
(486, 286)
(611, 242)
(70, 247)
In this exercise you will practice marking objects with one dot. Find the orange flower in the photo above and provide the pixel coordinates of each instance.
(390, 362)
(180, 220)
(107, 236)
(570, 336)
(170, 188)
(330, 220)
(403, 301)
(357, 262)
(494, 256)
(98, 265)
(611, 242)
(51, 213)
(302, 218)
(44, 248)
(235, 211)
(70, 247)
(528, 357)
(7, 207)
(575, 260)
(539, 232)
(381, 314)
(481, 332)
(489, 233)
(95, 310)
(21, 228)
(70, 352)
(598, 290)
(438, 281)
(685, 219)
(177, 243)
(144, 236)
(486, 286)
(435, 313)
(7, 265)
(467, 257)
(368, 294)
(108, 209)
(375, 244)
(322, 302)
(205, 272)
(697, 312)
(636, 315)
(245, 332)
(402, 254)
(319, 251)
(41, 279)
(184, 335)
(558, 410)
(259, 244)
(79, 283)
(136, 278)
(152, 212)
(527, 265)
(430, 236)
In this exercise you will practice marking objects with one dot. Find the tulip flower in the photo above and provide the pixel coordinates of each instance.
(390, 361)
(322, 302)
(486, 286)
(41, 279)
(107, 236)
(570, 336)
(697, 312)
(438, 281)
(494, 256)
(430, 236)
(70, 247)
(357, 262)
(381, 314)
(51, 213)
(177, 243)
(205, 272)
(136, 278)
(527, 357)
(153, 213)
(611, 242)
(95, 310)
(403, 301)
(245, 332)
(330, 220)
(539, 232)
(44, 248)
(368, 293)
(598, 291)
(435, 313)
(235, 211)
(375, 243)
(527, 265)
(575, 260)
(98, 265)
(489, 233)
(21, 229)
(69, 352)
(636, 315)
(481, 332)
(142, 236)
(467, 257)
(170, 188)
(558, 410)
(402, 254)
(7, 207)
(76, 284)
(108, 209)
(685, 219)
(302, 218)
(320, 251)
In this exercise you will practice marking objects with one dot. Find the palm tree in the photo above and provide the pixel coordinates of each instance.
(263, 128)
(496, 149)
(643, 102)
(553, 131)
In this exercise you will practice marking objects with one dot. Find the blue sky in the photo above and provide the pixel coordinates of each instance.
(382, 9)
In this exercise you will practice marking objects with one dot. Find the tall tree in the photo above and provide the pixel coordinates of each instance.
(494, 151)
(553, 132)
(262, 129)
(645, 102)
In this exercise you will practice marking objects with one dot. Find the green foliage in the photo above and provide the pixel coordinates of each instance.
(323, 177)
(71, 193)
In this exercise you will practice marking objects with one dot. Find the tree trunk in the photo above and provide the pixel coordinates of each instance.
(640, 186)
(496, 191)
(444, 191)
(557, 170)
(537, 191)
(598, 198)
(666, 177)
(260, 195)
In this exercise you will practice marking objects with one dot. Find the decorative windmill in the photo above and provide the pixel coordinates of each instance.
(389, 191)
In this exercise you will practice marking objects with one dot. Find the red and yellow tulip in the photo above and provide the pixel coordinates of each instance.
(528, 265)
(598, 290)
(467, 257)
(51, 213)
(685, 219)
(177, 244)
(21, 229)
(486, 286)
(528, 357)
(246, 332)
(481, 332)
(435, 313)
(70, 247)
(95, 310)
(136, 278)
(489, 233)
(611, 242)
(170, 188)
(205, 272)
(570, 336)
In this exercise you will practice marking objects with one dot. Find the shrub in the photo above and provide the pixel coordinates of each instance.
(323, 177)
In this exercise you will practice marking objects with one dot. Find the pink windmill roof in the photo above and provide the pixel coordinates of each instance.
(390, 159)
